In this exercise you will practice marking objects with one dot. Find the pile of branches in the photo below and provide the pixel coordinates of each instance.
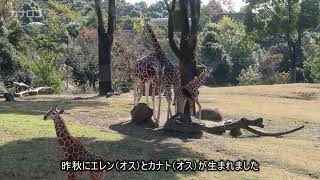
(21, 89)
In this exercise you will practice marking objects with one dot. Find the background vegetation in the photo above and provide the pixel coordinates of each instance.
(59, 47)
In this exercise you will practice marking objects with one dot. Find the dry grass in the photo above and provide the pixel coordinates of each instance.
(28, 140)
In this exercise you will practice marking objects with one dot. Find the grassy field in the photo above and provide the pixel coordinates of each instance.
(29, 149)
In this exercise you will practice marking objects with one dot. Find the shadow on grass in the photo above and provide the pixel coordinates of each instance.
(39, 158)
(41, 107)
(154, 135)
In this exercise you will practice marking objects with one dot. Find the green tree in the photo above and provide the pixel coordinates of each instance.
(312, 64)
(8, 62)
(5, 8)
(288, 20)
(213, 55)
(16, 33)
(226, 46)
(138, 24)
(48, 54)
(213, 7)
(157, 10)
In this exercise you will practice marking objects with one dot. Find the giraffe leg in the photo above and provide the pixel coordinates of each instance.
(147, 88)
(135, 88)
(176, 106)
(153, 100)
(191, 106)
(169, 114)
(139, 93)
(72, 176)
(169, 100)
(199, 105)
(159, 104)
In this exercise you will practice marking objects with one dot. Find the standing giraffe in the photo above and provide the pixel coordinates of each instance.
(170, 75)
(146, 72)
(190, 92)
(72, 147)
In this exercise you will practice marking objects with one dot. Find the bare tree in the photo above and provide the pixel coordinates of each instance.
(105, 40)
(189, 9)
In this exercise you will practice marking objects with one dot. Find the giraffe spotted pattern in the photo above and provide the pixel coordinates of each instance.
(72, 147)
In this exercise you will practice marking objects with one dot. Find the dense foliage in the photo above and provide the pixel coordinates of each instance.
(58, 48)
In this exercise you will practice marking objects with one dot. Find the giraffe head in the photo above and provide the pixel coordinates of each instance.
(52, 112)
(147, 29)
(206, 72)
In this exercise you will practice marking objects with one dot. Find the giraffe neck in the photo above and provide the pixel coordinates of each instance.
(177, 87)
(197, 82)
(156, 46)
(62, 131)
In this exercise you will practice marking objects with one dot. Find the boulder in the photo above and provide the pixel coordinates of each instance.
(141, 113)
(183, 123)
(210, 114)
(109, 94)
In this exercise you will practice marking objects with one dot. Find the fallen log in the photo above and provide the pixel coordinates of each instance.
(235, 127)
(261, 133)
(36, 91)
(20, 86)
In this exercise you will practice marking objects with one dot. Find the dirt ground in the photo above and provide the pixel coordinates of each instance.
(295, 156)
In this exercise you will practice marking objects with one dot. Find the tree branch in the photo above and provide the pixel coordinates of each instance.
(172, 43)
(167, 5)
(101, 29)
(111, 16)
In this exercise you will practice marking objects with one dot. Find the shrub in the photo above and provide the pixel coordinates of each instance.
(312, 65)
(280, 78)
(251, 76)
(50, 79)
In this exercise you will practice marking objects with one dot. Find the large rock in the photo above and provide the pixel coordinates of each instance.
(141, 113)
(183, 123)
(210, 114)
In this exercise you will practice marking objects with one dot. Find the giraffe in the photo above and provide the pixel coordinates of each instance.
(190, 92)
(72, 147)
(146, 71)
(170, 74)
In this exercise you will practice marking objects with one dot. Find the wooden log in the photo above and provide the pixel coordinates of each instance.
(36, 91)
(20, 86)
(235, 128)
(237, 124)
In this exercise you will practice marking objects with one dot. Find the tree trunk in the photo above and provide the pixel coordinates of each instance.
(188, 39)
(293, 66)
(292, 47)
(105, 47)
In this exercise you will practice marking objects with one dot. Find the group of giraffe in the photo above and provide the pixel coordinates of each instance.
(153, 69)
(156, 70)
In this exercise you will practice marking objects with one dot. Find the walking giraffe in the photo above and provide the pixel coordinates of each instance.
(72, 147)
(170, 75)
